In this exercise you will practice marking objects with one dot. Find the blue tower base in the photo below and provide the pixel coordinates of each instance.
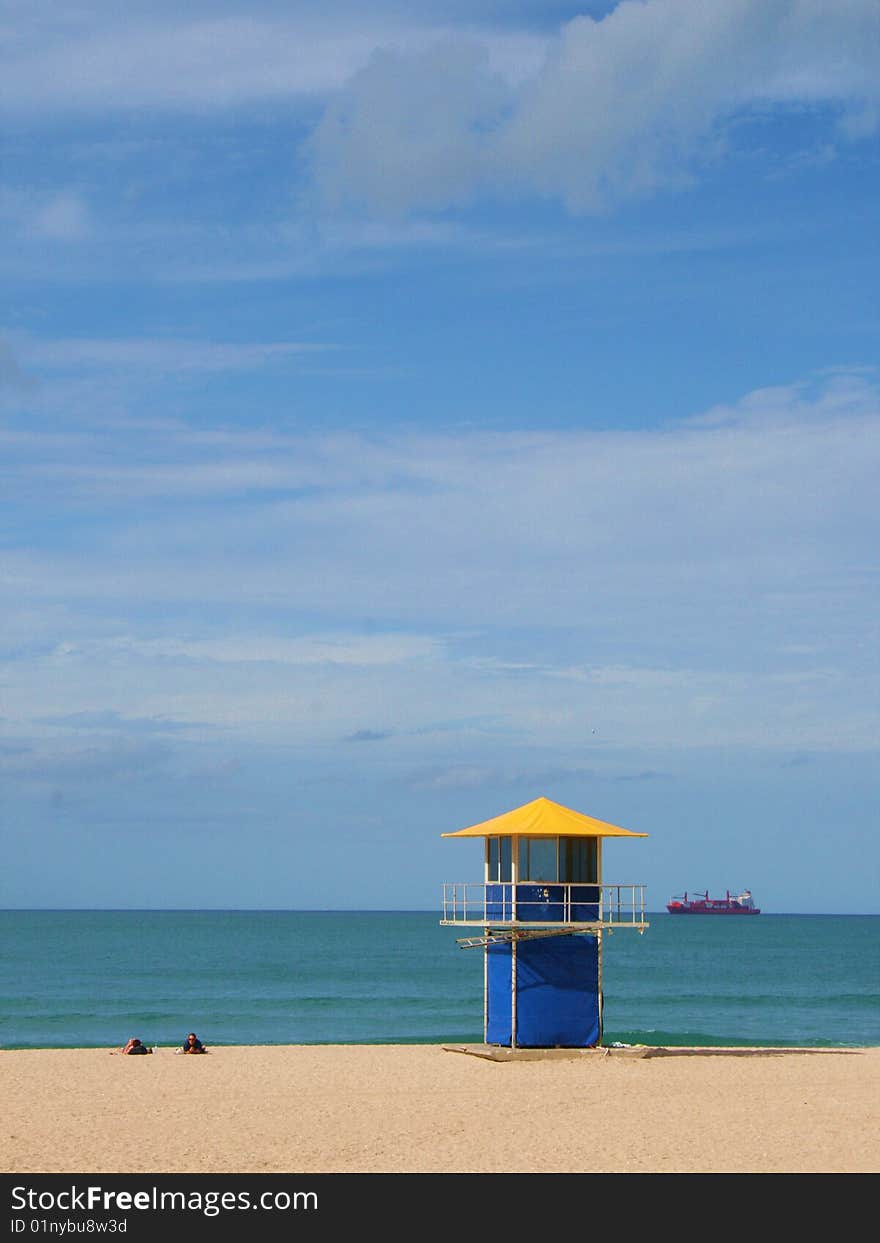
(558, 998)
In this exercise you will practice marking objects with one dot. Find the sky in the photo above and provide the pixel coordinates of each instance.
(408, 411)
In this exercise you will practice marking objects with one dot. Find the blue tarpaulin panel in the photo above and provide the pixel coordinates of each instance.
(584, 903)
(498, 1005)
(540, 903)
(557, 993)
(546, 903)
(499, 902)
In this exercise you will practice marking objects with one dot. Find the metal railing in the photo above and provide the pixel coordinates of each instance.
(500, 904)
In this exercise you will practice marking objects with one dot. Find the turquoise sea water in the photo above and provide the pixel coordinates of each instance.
(94, 978)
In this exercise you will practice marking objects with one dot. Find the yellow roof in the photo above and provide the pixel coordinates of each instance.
(543, 818)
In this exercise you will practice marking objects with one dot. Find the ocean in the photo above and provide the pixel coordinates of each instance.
(83, 979)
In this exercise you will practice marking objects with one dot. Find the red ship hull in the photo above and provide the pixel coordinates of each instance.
(699, 908)
(705, 905)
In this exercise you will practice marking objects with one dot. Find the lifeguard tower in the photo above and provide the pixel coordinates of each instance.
(542, 909)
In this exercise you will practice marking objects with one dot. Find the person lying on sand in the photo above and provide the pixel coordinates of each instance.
(192, 1044)
(133, 1045)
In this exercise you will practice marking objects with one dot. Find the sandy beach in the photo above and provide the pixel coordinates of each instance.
(440, 1109)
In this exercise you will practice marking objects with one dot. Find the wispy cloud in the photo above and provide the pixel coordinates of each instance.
(62, 218)
(698, 570)
(103, 59)
(360, 650)
(165, 357)
(114, 722)
(12, 376)
(120, 761)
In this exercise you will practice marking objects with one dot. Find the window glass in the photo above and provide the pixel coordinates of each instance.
(499, 858)
(578, 859)
(505, 858)
(572, 858)
(541, 858)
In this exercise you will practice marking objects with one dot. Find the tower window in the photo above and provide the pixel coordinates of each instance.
(500, 856)
(573, 860)
(578, 859)
(537, 858)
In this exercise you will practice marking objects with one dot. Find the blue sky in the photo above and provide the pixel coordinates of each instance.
(408, 411)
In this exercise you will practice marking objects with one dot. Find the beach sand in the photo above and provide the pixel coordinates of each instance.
(440, 1109)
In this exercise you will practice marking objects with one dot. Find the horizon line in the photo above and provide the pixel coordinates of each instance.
(308, 910)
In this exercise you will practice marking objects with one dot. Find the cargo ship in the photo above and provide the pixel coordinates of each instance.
(702, 904)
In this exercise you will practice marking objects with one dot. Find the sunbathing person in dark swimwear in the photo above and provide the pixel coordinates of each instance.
(132, 1046)
(192, 1044)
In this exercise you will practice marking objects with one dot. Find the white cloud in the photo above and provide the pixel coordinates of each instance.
(412, 130)
(423, 113)
(620, 106)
